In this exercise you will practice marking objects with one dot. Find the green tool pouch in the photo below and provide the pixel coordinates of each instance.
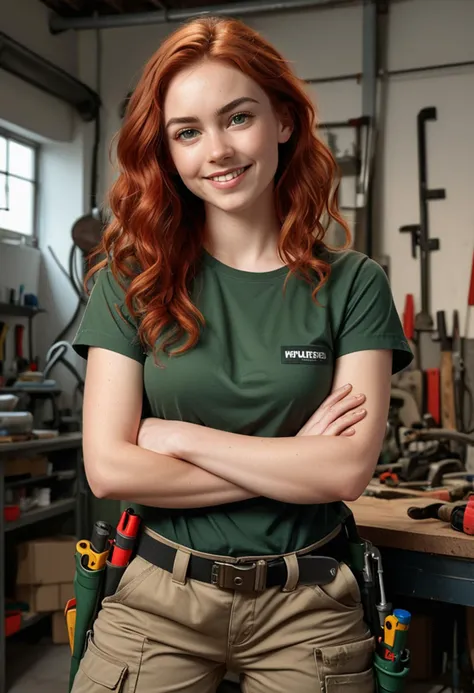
(362, 555)
(88, 586)
(388, 681)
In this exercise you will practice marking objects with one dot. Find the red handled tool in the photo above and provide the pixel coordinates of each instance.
(21, 362)
(433, 399)
(121, 550)
(125, 536)
(409, 317)
(470, 300)
(462, 518)
(409, 328)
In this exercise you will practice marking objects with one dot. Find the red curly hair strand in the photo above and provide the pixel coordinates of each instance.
(154, 242)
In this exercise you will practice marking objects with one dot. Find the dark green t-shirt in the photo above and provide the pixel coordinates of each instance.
(263, 365)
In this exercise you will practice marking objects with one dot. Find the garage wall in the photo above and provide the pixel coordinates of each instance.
(419, 39)
(55, 126)
(25, 21)
(324, 43)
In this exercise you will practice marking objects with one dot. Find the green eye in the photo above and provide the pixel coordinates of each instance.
(240, 118)
(186, 134)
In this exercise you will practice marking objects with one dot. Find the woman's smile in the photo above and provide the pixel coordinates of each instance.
(228, 180)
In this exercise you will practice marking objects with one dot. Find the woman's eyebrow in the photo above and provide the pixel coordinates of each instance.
(220, 111)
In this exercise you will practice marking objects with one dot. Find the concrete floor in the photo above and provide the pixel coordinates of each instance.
(39, 668)
(44, 668)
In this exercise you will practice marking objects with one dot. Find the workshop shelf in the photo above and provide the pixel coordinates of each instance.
(19, 311)
(17, 621)
(61, 442)
(37, 514)
(65, 450)
(32, 390)
(28, 619)
(65, 475)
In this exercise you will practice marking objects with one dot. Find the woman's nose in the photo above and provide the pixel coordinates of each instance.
(220, 148)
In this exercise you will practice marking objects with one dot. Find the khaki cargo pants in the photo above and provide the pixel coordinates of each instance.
(163, 633)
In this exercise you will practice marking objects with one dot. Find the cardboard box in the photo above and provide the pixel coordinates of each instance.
(66, 592)
(59, 628)
(41, 598)
(45, 598)
(46, 561)
(18, 466)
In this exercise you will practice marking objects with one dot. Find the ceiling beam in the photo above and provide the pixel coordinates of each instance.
(233, 9)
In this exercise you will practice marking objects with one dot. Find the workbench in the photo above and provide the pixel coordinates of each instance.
(421, 558)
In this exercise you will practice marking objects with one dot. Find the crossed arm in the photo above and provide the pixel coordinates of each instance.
(178, 464)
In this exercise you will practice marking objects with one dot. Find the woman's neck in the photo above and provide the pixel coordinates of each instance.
(246, 240)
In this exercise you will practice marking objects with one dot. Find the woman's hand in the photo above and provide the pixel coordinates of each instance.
(337, 415)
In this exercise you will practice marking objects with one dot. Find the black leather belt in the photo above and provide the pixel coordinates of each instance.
(316, 568)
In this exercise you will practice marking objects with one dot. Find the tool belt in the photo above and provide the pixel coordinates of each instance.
(317, 567)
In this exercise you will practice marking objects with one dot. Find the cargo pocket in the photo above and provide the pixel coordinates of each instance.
(346, 668)
(99, 673)
(343, 593)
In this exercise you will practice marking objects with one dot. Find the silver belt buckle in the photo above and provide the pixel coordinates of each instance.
(250, 577)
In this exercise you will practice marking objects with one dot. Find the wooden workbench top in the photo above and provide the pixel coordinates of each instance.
(386, 524)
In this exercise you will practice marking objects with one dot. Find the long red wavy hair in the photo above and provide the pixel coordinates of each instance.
(154, 242)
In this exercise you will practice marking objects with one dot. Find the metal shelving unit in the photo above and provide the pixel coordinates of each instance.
(16, 311)
(30, 619)
(70, 443)
(19, 311)
(31, 390)
(32, 516)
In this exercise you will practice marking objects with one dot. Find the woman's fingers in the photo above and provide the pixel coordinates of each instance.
(334, 398)
(324, 407)
(331, 416)
(349, 432)
(345, 423)
(341, 408)
(335, 412)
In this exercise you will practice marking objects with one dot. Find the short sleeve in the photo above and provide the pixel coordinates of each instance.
(370, 319)
(106, 322)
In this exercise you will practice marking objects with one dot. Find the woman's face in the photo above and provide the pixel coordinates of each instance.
(223, 135)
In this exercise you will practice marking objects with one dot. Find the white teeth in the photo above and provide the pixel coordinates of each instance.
(228, 176)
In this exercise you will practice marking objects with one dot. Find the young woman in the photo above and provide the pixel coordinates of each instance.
(220, 306)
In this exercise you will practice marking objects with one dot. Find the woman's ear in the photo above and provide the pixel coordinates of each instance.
(285, 125)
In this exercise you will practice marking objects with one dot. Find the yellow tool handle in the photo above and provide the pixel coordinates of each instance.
(391, 626)
(70, 616)
(95, 561)
(71, 627)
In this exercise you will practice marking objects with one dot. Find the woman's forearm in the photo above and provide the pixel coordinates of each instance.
(128, 472)
(307, 469)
